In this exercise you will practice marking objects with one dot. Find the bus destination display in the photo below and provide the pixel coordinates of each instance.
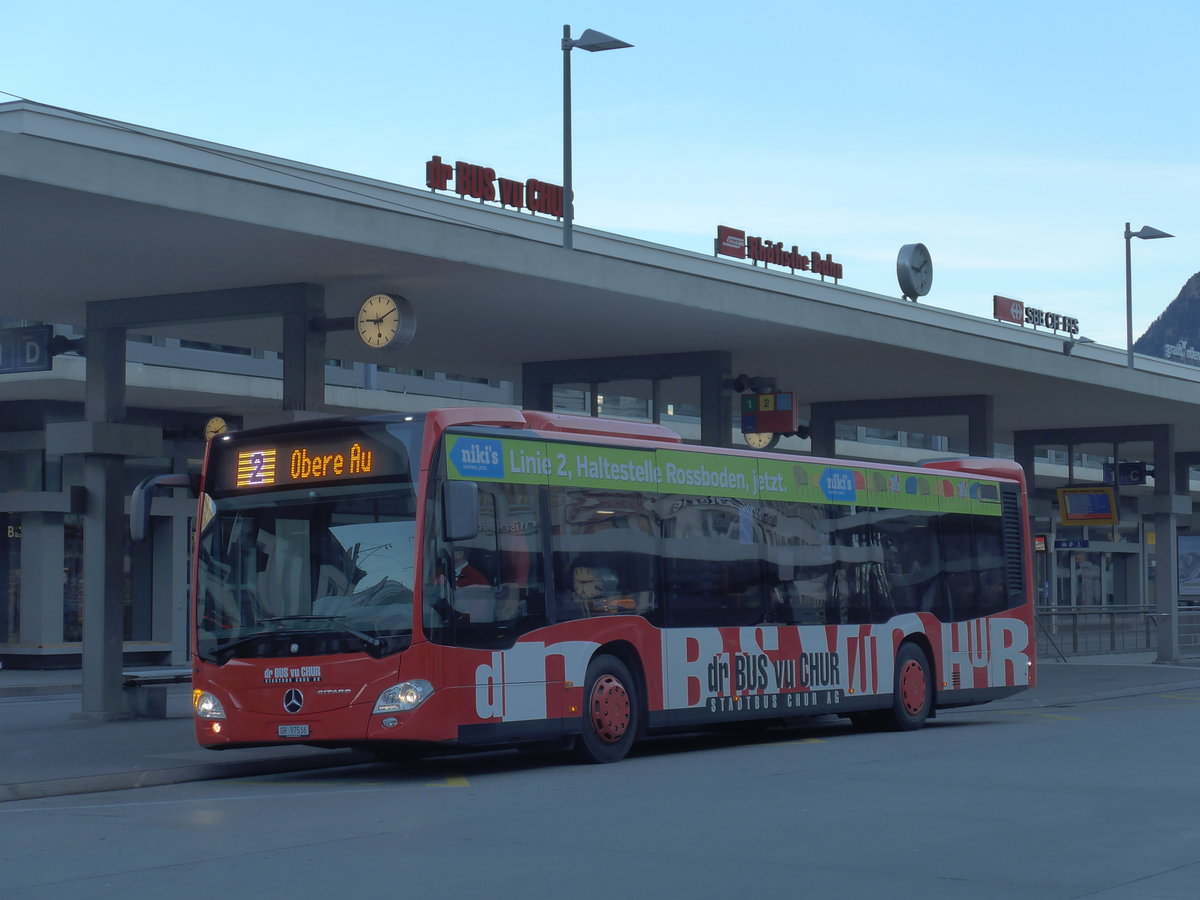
(336, 459)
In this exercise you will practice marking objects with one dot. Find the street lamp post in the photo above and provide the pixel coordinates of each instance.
(1146, 233)
(592, 41)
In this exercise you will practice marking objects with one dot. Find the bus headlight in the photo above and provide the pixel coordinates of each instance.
(403, 697)
(206, 705)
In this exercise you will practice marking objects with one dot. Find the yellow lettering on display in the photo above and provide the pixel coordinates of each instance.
(320, 465)
(309, 465)
(360, 460)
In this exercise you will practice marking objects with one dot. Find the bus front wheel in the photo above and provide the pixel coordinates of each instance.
(610, 714)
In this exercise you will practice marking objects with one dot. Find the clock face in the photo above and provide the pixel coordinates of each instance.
(587, 583)
(761, 440)
(914, 270)
(378, 321)
(214, 426)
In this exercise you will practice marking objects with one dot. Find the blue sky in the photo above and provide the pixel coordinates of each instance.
(1013, 139)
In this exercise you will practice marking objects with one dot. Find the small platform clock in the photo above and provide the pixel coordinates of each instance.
(761, 440)
(214, 426)
(378, 321)
(914, 270)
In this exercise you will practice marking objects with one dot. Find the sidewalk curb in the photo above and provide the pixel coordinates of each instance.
(38, 690)
(124, 781)
(1035, 703)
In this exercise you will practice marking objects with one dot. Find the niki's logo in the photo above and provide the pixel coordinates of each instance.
(839, 485)
(293, 701)
(478, 457)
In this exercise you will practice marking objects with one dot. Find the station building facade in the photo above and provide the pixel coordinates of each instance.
(1099, 585)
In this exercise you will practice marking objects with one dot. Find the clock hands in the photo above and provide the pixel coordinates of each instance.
(390, 312)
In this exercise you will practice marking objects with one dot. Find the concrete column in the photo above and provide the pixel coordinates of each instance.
(716, 405)
(143, 555)
(536, 393)
(1024, 452)
(41, 589)
(304, 349)
(103, 540)
(104, 528)
(981, 431)
(1166, 562)
(822, 431)
(169, 577)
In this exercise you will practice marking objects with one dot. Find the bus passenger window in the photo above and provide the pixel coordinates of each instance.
(605, 552)
(713, 568)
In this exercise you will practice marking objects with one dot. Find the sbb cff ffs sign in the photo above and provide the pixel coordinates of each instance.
(773, 413)
(1015, 311)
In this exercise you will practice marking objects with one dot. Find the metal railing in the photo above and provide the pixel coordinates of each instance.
(1080, 630)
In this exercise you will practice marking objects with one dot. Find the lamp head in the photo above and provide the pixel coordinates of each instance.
(1146, 233)
(594, 41)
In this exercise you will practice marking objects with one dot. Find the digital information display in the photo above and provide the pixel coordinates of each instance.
(1087, 506)
(318, 459)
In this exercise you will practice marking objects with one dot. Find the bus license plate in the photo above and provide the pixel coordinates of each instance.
(293, 731)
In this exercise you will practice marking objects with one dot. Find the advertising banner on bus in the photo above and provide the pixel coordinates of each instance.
(475, 458)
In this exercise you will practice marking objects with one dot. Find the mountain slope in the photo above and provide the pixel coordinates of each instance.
(1175, 334)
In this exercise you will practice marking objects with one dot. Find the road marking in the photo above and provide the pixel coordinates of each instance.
(1040, 715)
(452, 779)
(282, 781)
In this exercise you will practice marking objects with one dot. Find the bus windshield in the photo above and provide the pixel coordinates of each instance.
(306, 572)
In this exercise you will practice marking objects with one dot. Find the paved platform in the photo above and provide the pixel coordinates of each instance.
(46, 750)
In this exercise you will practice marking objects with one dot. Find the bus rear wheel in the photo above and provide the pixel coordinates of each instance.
(912, 697)
(611, 713)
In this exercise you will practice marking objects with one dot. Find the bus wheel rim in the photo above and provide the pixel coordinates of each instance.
(913, 687)
(610, 709)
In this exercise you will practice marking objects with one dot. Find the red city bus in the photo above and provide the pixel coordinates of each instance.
(477, 578)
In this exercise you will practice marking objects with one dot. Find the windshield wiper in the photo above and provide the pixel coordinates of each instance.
(371, 641)
(368, 639)
(237, 642)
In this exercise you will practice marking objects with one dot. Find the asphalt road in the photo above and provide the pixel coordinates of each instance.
(1094, 799)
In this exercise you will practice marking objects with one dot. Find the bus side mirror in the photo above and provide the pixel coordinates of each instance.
(143, 496)
(460, 510)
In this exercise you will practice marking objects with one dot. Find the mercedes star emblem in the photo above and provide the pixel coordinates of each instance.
(293, 700)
